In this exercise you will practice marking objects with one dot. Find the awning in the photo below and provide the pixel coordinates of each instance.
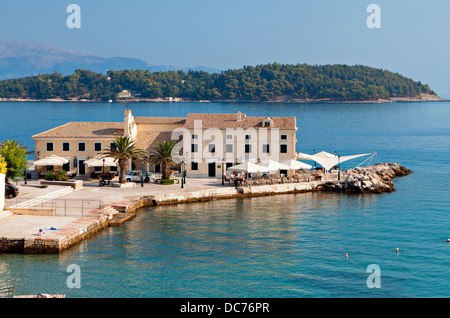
(98, 162)
(52, 160)
(248, 167)
(327, 160)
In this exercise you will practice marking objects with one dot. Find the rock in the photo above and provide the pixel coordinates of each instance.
(371, 179)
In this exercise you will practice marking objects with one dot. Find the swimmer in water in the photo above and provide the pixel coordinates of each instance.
(397, 250)
(346, 255)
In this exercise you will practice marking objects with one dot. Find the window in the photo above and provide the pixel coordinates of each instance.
(283, 148)
(66, 166)
(267, 124)
(66, 146)
(49, 146)
(283, 137)
(248, 148)
(81, 146)
(113, 168)
(266, 148)
(194, 166)
(194, 136)
(248, 137)
(194, 147)
(229, 148)
(229, 137)
(98, 146)
(112, 146)
(229, 164)
(212, 148)
(98, 169)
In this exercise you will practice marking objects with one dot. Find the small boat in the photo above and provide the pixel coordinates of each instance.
(110, 101)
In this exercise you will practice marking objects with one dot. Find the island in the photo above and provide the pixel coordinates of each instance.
(263, 83)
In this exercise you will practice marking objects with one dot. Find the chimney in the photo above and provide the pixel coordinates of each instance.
(239, 116)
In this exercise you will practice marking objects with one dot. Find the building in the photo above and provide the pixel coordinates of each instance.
(207, 144)
(124, 94)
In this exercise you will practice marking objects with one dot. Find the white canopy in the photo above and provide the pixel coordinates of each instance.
(274, 166)
(52, 160)
(328, 160)
(248, 167)
(295, 165)
(98, 162)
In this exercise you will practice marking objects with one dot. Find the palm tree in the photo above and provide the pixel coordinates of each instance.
(122, 151)
(164, 154)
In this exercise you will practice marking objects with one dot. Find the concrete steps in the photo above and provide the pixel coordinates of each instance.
(21, 204)
(4, 214)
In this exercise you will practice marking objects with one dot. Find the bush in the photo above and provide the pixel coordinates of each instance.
(57, 176)
(166, 181)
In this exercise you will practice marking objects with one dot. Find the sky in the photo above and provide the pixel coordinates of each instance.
(413, 39)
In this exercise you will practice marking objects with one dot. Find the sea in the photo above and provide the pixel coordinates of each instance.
(282, 246)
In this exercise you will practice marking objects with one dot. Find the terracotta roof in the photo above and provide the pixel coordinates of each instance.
(223, 121)
(147, 140)
(83, 130)
(160, 120)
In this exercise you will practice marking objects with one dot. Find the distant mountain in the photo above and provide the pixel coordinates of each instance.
(20, 59)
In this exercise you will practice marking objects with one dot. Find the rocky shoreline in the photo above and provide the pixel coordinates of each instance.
(371, 179)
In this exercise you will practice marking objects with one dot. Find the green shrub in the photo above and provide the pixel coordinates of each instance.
(2, 165)
(56, 176)
(165, 181)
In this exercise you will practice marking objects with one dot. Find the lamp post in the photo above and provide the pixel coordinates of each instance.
(182, 174)
(339, 171)
(103, 169)
(142, 173)
(223, 163)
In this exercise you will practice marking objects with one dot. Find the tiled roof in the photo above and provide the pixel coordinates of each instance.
(147, 140)
(160, 120)
(83, 130)
(223, 121)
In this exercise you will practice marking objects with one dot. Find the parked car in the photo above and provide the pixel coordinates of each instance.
(136, 176)
(11, 191)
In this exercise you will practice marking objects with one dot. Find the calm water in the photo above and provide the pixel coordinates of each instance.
(280, 246)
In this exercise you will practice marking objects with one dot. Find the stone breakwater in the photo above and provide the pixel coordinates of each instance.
(370, 179)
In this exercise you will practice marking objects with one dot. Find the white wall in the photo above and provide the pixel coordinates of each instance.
(2, 191)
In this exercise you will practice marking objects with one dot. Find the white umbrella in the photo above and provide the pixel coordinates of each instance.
(274, 165)
(295, 165)
(52, 160)
(248, 167)
(98, 162)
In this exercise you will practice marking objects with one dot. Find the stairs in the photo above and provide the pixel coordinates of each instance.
(4, 214)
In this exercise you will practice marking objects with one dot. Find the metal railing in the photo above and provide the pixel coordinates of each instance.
(56, 207)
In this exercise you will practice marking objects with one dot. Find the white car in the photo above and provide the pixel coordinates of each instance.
(136, 176)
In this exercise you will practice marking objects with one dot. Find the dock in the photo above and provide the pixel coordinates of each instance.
(19, 228)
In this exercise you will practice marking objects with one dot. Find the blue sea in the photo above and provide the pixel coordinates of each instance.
(288, 246)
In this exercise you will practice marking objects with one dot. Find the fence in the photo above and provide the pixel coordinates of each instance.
(56, 207)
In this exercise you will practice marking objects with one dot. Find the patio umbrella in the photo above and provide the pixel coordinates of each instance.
(295, 165)
(98, 162)
(274, 166)
(248, 167)
(52, 160)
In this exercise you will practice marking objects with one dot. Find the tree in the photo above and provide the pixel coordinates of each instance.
(164, 155)
(2, 165)
(15, 158)
(122, 151)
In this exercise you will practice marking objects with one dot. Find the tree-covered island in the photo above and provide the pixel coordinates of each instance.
(270, 82)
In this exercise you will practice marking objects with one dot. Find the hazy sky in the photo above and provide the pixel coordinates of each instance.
(413, 39)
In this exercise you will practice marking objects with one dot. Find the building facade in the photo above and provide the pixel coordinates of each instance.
(207, 144)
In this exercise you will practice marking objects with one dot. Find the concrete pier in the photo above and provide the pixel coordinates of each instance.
(19, 231)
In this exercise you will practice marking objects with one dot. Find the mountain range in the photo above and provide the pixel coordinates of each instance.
(21, 59)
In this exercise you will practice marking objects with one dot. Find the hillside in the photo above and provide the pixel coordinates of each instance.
(21, 59)
(270, 82)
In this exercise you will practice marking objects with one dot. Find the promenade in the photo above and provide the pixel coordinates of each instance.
(42, 208)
